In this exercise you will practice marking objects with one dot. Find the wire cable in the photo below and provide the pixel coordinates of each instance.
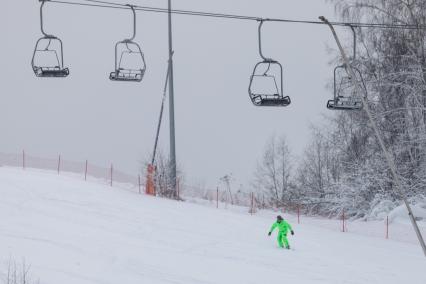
(113, 5)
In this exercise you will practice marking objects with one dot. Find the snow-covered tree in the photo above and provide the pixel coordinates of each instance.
(273, 175)
(344, 166)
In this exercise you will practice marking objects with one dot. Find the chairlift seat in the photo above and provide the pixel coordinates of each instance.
(345, 103)
(271, 100)
(127, 75)
(53, 72)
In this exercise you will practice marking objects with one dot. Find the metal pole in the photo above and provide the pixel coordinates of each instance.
(389, 158)
(160, 119)
(171, 106)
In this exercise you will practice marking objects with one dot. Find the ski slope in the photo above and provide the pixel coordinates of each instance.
(71, 231)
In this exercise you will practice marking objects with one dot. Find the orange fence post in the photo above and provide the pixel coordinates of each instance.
(150, 185)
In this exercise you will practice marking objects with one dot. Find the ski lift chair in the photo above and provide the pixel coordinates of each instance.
(48, 56)
(341, 101)
(130, 63)
(264, 89)
(48, 59)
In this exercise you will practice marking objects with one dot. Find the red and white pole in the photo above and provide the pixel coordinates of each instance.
(59, 164)
(387, 227)
(217, 197)
(111, 172)
(178, 188)
(298, 214)
(252, 204)
(343, 221)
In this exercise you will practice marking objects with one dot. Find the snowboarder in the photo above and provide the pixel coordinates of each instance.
(283, 228)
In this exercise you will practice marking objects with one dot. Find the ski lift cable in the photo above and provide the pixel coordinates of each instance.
(112, 5)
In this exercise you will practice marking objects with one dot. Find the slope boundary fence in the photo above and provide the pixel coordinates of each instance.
(220, 198)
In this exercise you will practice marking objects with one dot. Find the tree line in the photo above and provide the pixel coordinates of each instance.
(343, 167)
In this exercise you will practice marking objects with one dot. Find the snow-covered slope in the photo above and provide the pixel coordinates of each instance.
(72, 231)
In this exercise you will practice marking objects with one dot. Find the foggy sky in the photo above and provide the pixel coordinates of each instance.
(219, 131)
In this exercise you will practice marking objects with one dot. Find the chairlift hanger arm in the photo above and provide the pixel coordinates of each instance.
(134, 23)
(334, 74)
(260, 42)
(41, 20)
(354, 42)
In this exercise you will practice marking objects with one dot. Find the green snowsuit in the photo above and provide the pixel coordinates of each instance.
(283, 229)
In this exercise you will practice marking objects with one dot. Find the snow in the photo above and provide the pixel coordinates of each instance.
(400, 213)
(72, 231)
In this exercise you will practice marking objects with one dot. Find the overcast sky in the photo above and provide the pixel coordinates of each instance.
(219, 131)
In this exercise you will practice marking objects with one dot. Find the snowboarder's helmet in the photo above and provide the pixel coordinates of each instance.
(279, 218)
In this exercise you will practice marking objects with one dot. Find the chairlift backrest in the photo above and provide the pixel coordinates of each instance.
(264, 82)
